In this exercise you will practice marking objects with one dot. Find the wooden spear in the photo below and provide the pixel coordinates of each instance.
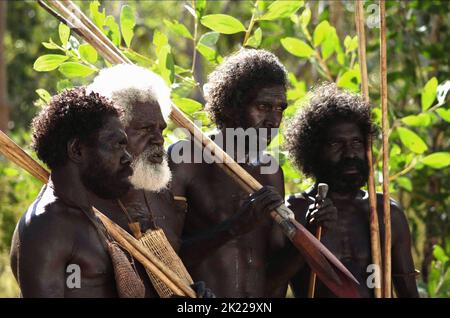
(373, 215)
(329, 269)
(385, 137)
(15, 154)
(322, 191)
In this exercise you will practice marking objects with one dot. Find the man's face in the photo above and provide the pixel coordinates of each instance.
(265, 110)
(146, 144)
(343, 162)
(107, 170)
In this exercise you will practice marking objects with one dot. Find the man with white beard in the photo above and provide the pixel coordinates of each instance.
(145, 102)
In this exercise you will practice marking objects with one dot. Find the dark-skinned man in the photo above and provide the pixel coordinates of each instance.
(327, 139)
(76, 135)
(145, 101)
(225, 243)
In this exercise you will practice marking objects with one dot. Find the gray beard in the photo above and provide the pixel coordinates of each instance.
(150, 176)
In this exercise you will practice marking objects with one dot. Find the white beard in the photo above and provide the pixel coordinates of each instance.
(149, 176)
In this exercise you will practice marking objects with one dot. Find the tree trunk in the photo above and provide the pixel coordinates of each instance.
(4, 108)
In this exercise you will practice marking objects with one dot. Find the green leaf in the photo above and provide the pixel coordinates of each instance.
(178, 28)
(200, 7)
(429, 93)
(140, 59)
(405, 183)
(64, 33)
(330, 44)
(165, 64)
(305, 17)
(320, 32)
(73, 69)
(439, 254)
(444, 113)
(51, 45)
(437, 160)
(188, 105)
(209, 53)
(209, 39)
(49, 62)
(349, 80)
(63, 84)
(222, 23)
(88, 53)
(43, 94)
(98, 17)
(255, 40)
(159, 40)
(114, 31)
(350, 44)
(411, 140)
(421, 120)
(127, 23)
(297, 47)
(282, 9)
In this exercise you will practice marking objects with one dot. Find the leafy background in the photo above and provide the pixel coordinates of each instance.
(316, 40)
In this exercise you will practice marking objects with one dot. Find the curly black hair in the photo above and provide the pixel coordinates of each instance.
(326, 105)
(230, 85)
(71, 114)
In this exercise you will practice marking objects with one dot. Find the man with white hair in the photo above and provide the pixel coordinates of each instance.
(145, 100)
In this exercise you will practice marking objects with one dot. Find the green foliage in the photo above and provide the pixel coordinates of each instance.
(222, 23)
(439, 279)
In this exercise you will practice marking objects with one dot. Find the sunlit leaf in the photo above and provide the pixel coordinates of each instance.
(255, 40)
(305, 17)
(43, 94)
(114, 31)
(437, 160)
(188, 105)
(64, 33)
(178, 28)
(405, 183)
(98, 17)
(73, 69)
(297, 47)
(127, 23)
(439, 254)
(320, 32)
(411, 140)
(429, 93)
(88, 53)
(444, 113)
(222, 23)
(282, 9)
(421, 120)
(349, 80)
(49, 62)
(209, 38)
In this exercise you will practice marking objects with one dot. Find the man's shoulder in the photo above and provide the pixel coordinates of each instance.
(49, 215)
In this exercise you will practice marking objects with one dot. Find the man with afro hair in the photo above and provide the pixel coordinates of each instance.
(56, 248)
(228, 240)
(327, 140)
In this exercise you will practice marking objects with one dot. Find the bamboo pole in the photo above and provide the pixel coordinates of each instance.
(373, 215)
(325, 263)
(14, 153)
(385, 137)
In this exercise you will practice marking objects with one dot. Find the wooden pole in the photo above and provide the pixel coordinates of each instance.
(373, 215)
(322, 191)
(385, 137)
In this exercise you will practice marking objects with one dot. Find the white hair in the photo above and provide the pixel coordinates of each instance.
(127, 84)
(149, 176)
